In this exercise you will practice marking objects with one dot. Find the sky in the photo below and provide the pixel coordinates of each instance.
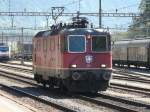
(70, 6)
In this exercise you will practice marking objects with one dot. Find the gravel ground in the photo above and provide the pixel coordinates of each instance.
(86, 106)
(128, 95)
(77, 104)
(27, 102)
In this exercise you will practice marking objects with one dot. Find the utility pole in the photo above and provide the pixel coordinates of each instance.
(47, 18)
(22, 48)
(6, 41)
(79, 5)
(2, 37)
(100, 14)
(12, 21)
(9, 5)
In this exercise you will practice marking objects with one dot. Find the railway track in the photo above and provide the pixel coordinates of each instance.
(29, 94)
(117, 86)
(132, 73)
(101, 99)
(7, 66)
(117, 103)
(27, 65)
(126, 75)
(130, 89)
(132, 78)
(41, 100)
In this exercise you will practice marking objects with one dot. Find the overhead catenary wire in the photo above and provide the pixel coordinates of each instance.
(38, 6)
(120, 8)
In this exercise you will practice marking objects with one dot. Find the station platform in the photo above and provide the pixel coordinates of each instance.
(7, 105)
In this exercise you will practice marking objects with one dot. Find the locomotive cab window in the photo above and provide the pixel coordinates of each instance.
(76, 43)
(99, 43)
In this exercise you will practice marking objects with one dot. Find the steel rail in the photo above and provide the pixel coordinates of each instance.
(53, 104)
(133, 89)
(18, 64)
(129, 89)
(18, 78)
(96, 101)
(111, 105)
(128, 72)
(16, 68)
(135, 79)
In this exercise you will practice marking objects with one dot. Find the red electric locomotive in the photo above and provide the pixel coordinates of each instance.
(73, 57)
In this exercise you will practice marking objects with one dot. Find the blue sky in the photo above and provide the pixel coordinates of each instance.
(70, 6)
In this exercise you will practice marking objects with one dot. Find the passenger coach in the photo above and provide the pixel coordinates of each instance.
(73, 57)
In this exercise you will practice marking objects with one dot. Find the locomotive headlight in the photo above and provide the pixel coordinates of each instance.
(74, 66)
(103, 66)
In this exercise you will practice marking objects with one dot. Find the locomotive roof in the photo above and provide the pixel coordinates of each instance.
(43, 33)
(75, 31)
(121, 43)
(85, 31)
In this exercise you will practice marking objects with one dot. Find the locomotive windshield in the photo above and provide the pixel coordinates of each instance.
(76, 43)
(99, 43)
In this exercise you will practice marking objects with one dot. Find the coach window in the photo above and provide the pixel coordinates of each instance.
(99, 43)
(76, 43)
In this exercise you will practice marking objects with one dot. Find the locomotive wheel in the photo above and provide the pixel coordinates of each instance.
(44, 84)
(51, 86)
(62, 87)
(94, 92)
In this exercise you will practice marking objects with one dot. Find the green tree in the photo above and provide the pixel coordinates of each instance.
(141, 25)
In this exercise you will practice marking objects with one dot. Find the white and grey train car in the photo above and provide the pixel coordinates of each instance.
(132, 52)
(4, 52)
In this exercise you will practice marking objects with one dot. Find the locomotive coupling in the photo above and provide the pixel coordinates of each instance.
(106, 76)
(76, 76)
